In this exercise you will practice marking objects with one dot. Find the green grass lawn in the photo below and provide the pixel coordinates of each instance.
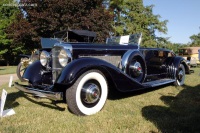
(167, 109)
(7, 70)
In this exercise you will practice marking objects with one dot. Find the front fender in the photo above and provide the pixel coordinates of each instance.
(33, 74)
(76, 68)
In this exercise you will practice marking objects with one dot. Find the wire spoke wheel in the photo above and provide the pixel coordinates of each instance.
(20, 71)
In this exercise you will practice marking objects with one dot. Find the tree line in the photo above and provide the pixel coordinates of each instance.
(24, 23)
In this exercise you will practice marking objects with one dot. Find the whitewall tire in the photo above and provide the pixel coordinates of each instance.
(88, 94)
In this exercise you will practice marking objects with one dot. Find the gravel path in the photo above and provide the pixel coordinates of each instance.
(6, 78)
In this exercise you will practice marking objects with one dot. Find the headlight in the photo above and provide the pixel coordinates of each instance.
(64, 57)
(44, 57)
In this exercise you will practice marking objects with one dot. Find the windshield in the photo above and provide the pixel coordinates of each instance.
(125, 40)
(75, 36)
(48, 42)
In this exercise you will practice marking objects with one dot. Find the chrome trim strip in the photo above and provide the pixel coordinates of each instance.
(162, 83)
(38, 92)
(103, 49)
(158, 82)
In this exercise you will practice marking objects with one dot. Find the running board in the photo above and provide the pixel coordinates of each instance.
(158, 82)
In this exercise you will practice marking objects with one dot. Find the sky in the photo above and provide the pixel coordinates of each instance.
(183, 18)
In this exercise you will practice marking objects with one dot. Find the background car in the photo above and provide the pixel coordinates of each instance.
(191, 55)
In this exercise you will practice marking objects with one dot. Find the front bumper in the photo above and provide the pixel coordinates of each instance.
(39, 92)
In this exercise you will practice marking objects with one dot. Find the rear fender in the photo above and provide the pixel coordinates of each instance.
(180, 60)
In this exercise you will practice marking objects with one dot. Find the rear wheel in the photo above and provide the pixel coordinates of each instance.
(180, 76)
(88, 94)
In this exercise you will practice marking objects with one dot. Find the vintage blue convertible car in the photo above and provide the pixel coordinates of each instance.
(80, 73)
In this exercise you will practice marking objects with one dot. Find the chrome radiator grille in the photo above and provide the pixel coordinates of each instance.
(56, 67)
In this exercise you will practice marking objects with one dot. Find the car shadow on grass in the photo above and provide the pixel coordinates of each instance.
(181, 113)
(50, 104)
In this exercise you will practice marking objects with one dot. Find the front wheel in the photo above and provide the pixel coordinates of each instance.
(20, 71)
(180, 76)
(88, 94)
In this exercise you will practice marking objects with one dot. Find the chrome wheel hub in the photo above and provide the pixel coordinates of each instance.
(136, 69)
(90, 93)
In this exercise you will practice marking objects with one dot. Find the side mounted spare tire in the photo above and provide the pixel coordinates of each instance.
(136, 69)
(88, 94)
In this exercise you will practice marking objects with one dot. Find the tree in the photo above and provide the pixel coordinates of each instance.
(23, 34)
(7, 16)
(46, 17)
(132, 17)
(195, 40)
